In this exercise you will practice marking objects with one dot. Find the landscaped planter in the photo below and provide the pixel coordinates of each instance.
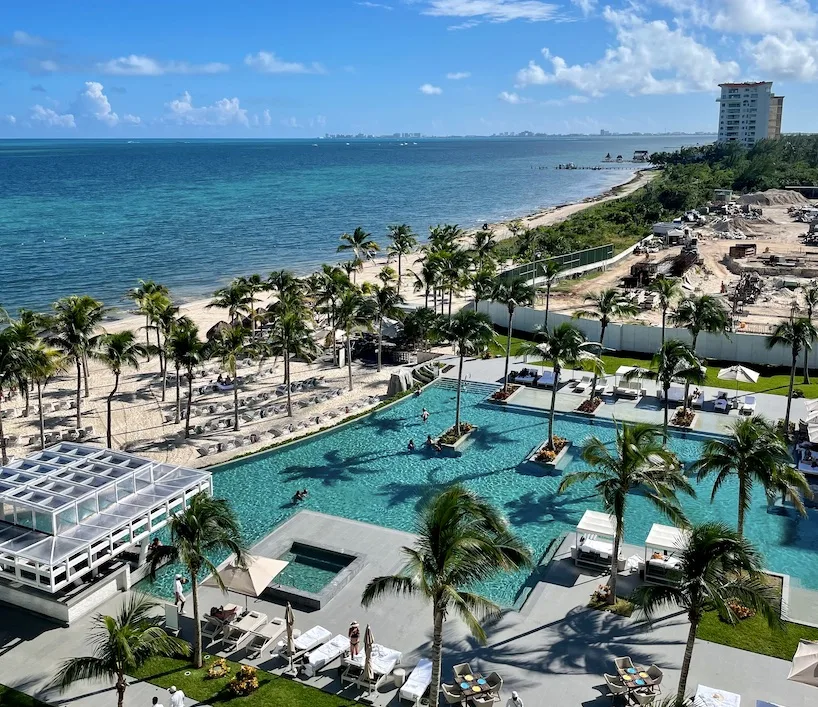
(513, 391)
(592, 404)
(455, 447)
(690, 426)
(554, 463)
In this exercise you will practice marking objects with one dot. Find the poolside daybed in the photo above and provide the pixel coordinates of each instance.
(662, 547)
(748, 406)
(632, 389)
(722, 403)
(325, 655)
(417, 683)
(384, 661)
(594, 545)
(675, 394)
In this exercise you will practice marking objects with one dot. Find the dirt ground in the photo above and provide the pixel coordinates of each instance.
(775, 233)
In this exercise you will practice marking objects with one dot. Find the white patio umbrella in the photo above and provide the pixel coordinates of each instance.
(739, 374)
(289, 622)
(250, 580)
(804, 667)
(369, 641)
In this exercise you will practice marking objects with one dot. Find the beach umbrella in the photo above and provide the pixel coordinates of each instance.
(289, 621)
(369, 641)
(250, 580)
(804, 666)
(739, 374)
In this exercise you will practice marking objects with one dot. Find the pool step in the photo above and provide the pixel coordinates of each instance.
(468, 386)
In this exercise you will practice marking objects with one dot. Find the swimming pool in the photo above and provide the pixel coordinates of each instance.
(310, 569)
(363, 471)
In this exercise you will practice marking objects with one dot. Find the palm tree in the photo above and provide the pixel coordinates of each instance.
(186, 351)
(454, 264)
(72, 328)
(811, 303)
(717, 567)
(25, 331)
(605, 305)
(798, 334)
(122, 644)
(514, 293)
(165, 319)
(140, 296)
(361, 244)
(639, 459)
(426, 280)
(291, 337)
(327, 286)
(117, 351)
(753, 453)
(462, 540)
(482, 285)
(420, 329)
(549, 273)
(42, 364)
(482, 249)
(206, 528)
(403, 243)
(669, 290)
(253, 284)
(13, 363)
(470, 332)
(351, 314)
(674, 360)
(527, 243)
(230, 346)
(564, 346)
(383, 302)
(235, 298)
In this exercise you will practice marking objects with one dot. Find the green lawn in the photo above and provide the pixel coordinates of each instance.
(273, 691)
(9, 697)
(754, 635)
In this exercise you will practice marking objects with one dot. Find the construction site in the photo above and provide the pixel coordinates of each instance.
(755, 251)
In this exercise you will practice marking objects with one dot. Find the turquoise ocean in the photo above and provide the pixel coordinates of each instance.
(94, 216)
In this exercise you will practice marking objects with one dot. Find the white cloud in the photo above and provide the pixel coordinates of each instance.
(786, 57)
(375, 5)
(561, 102)
(318, 121)
(585, 6)
(24, 39)
(48, 65)
(492, 10)
(291, 122)
(10, 119)
(131, 119)
(468, 24)
(512, 98)
(650, 58)
(138, 65)
(226, 111)
(94, 103)
(268, 119)
(52, 118)
(754, 17)
(429, 90)
(269, 63)
(458, 75)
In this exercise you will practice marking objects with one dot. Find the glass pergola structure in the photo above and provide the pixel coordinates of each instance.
(70, 508)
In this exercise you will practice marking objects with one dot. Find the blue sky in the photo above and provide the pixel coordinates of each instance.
(302, 68)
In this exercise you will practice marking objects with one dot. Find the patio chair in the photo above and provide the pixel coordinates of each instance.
(263, 637)
(495, 684)
(623, 663)
(722, 404)
(644, 697)
(616, 687)
(748, 406)
(655, 674)
(462, 669)
(583, 383)
(451, 695)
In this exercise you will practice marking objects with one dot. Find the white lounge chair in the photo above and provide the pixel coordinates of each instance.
(698, 400)
(214, 626)
(239, 630)
(631, 389)
(306, 642)
(322, 656)
(584, 383)
(384, 661)
(675, 394)
(722, 403)
(417, 683)
(748, 405)
(263, 637)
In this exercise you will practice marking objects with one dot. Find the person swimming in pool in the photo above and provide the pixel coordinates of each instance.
(411, 445)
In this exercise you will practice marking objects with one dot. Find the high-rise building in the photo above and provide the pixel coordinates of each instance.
(749, 112)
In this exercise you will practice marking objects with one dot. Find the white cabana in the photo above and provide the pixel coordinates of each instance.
(804, 666)
(662, 547)
(594, 544)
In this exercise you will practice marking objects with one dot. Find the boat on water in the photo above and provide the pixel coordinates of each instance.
(607, 158)
(566, 165)
(619, 158)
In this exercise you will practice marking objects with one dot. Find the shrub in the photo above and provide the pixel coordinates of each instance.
(218, 669)
(683, 418)
(548, 453)
(449, 436)
(590, 405)
(245, 682)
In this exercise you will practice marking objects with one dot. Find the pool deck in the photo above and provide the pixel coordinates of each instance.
(553, 646)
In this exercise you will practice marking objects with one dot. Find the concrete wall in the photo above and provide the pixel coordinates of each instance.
(747, 349)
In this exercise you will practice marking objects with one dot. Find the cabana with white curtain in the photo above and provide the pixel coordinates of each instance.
(663, 546)
(594, 544)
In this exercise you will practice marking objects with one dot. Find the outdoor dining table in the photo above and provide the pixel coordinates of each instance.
(635, 678)
(471, 685)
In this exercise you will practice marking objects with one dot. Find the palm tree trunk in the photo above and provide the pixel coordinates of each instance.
(688, 656)
(334, 342)
(665, 388)
(450, 302)
(459, 383)
(806, 366)
(399, 272)
(426, 299)
(28, 404)
(148, 337)
(252, 314)
(178, 401)
(508, 351)
(85, 374)
(434, 298)
(164, 375)
(614, 567)
(602, 328)
(553, 402)
(197, 625)
(437, 656)
(3, 454)
(664, 320)
(235, 403)
(287, 383)
(789, 395)
(121, 684)
(380, 342)
(742, 494)
(189, 401)
(110, 400)
(349, 358)
(79, 391)
(547, 304)
(42, 420)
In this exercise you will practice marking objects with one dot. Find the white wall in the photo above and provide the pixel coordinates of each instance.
(747, 349)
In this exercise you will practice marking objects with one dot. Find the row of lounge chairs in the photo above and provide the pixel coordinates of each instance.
(48, 407)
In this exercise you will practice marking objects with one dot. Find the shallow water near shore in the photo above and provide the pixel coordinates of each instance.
(94, 216)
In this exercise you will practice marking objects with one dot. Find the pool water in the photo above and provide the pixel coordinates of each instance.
(363, 471)
(310, 569)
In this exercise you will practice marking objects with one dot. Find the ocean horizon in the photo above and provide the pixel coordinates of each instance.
(94, 216)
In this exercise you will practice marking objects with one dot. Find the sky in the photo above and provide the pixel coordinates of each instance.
(303, 68)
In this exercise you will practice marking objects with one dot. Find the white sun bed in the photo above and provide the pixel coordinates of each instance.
(306, 642)
(417, 683)
(721, 404)
(748, 406)
(325, 654)
(239, 630)
(524, 380)
(264, 636)
(583, 383)
(384, 661)
(546, 380)
(627, 388)
(675, 394)
(698, 400)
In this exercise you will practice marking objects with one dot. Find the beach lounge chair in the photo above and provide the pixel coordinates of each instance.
(263, 637)
(584, 383)
(214, 625)
(417, 683)
(748, 406)
(722, 403)
(325, 655)
(384, 661)
(546, 380)
(239, 630)
(306, 642)
(698, 400)
(630, 389)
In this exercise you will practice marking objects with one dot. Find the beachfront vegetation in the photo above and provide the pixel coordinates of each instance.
(361, 245)
(117, 351)
(122, 645)
(669, 290)
(513, 293)
(718, 570)
(638, 459)
(404, 242)
(798, 335)
(550, 271)
(754, 453)
(462, 540)
(205, 528)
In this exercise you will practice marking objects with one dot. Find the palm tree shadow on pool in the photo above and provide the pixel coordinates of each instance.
(335, 468)
(548, 508)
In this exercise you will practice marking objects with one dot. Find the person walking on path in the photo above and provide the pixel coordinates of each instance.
(513, 701)
(177, 697)
(179, 594)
